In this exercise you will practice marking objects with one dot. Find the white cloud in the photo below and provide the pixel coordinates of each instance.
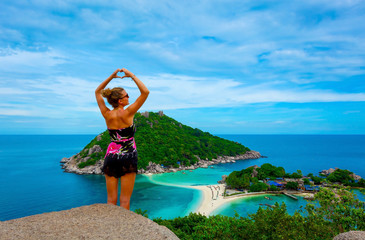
(352, 112)
(177, 91)
(75, 96)
(17, 60)
(15, 112)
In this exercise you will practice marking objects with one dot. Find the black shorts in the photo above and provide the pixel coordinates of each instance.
(117, 165)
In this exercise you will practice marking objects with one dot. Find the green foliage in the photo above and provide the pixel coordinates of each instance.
(141, 212)
(269, 171)
(317, 180)
(292, 186)
(306, 181)
(334, 213)
(168, 142)
(258, 187)
(243, 178)
(236, 180)
(163, 140)
(183, 227)
(274, 188)
(340, 175)
(341, 207)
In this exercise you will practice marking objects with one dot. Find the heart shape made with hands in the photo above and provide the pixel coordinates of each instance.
(123, 71)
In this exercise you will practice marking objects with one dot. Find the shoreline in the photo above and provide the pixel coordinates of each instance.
(212, 195)
(70, 165)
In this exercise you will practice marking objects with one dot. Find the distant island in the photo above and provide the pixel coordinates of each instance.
(272, 178)
(164, 145)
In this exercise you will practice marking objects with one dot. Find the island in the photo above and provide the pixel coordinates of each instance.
(164, 145)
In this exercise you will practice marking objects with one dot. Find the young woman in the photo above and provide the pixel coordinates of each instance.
(121, 156)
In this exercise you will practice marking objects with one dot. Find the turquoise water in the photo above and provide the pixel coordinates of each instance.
(250, 205)
(33, 182)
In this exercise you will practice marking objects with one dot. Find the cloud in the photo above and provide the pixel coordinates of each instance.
(180, 91)
(352, 112)
(15, 112)
(74, 96)
(17, 60)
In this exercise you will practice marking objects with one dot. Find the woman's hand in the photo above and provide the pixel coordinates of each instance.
(127, 73)
(115, 73)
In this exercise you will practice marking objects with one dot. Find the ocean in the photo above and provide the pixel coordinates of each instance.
(32, 181)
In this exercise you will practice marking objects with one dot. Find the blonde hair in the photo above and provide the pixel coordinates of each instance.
(113, 95)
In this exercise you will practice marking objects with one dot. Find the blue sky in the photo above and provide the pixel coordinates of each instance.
(235, 67)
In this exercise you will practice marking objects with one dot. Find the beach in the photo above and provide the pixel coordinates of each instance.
(212, 196)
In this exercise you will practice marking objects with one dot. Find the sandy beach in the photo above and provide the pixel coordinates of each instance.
(212, 196)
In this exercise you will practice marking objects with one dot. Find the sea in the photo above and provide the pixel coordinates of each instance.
(32, 181)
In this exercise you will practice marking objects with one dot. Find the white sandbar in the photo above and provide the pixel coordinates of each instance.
(212, 196)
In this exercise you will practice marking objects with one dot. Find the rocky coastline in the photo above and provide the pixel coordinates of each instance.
(71, 164)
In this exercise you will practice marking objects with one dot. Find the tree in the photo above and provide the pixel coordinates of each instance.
(292, 185)
(306, 181)
(340, 175)
(340, 207)
(273, 188)
(258, 187)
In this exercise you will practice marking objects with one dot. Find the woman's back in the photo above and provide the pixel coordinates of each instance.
(118, 118)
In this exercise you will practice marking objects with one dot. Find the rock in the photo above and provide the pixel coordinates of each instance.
(254, 173)
(352, 235)
(158, 168)
(355, 177)
(84, 159)
(98, 171)
(224, 177)
(160, 113)
(95, 148)
(146, 114)
(98, 138)
(64, 160)
(98, 221)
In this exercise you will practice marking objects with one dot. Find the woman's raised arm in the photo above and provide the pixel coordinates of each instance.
(99, 98)
(133, 108)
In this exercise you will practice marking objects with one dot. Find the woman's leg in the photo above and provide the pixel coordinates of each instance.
(127, 184)
(112, 189)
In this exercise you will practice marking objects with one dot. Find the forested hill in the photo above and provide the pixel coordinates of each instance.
(163, 140)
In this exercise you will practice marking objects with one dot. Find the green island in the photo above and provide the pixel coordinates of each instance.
(272, 178)
(335, 208)
(163, 142)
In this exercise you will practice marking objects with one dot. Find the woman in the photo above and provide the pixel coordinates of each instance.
(121, 157)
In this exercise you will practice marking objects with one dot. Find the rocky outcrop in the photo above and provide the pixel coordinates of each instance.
(328, 172)
(224, 177)
(146, 114)
(352, 235)
(71, 164)
(98, 221)
(355, 177)
(331, 170)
